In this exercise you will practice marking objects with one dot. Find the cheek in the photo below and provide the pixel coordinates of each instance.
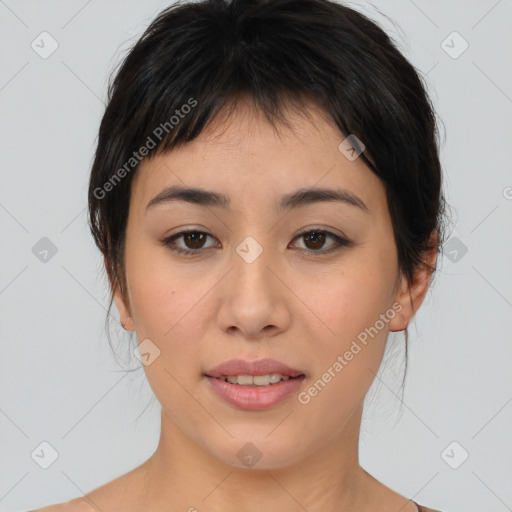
(170, 312)
(173, 307)
(349, 342)
(350, 297)
(352, 328)
(344, 364)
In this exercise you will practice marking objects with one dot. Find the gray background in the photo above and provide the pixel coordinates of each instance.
(59, 382)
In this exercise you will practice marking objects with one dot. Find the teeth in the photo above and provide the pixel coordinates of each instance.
(263, 380)
(245, 380)
(256, 380)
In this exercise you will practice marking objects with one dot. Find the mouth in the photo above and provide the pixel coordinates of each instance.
(254, 385)
(261, 372)
(268, 379)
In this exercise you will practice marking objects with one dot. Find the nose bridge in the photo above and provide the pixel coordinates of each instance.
(251, 299)
(251, 273)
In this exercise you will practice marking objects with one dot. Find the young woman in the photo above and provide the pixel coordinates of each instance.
(267, 197)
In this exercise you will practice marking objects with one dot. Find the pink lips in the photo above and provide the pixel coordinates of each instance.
(254, 397)
(259, 367)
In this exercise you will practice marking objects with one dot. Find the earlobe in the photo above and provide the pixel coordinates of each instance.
(399, 322)
(411, 295)
(124, 323)
(124, 313)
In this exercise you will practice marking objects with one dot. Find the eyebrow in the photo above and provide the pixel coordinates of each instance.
(297, 199)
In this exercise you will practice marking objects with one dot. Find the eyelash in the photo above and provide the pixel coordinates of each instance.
(340, 242)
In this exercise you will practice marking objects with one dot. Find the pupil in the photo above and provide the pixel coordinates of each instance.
(194, 235)
(314, 238)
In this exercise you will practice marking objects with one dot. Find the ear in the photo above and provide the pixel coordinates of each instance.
(124, 311)
(411, 296)
(122, 304)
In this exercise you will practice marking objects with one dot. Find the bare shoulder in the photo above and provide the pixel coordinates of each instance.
(110, 497)
(76, 505)
(125, 493)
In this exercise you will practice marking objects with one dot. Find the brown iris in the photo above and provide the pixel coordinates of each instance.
(317, 238)
(197, 239)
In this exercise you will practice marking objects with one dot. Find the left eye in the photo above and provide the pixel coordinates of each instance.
(314, 240)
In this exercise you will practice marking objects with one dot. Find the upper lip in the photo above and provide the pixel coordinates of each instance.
(259, 367)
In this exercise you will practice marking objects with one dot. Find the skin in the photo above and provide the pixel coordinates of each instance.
(292, 304)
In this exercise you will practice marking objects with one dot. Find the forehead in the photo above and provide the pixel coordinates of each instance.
(246, 158)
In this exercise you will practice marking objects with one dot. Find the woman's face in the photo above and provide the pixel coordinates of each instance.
(253, 287)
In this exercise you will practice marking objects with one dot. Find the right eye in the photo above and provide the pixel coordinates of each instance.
(193, 241)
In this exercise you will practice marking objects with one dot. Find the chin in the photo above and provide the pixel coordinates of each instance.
(258, 450)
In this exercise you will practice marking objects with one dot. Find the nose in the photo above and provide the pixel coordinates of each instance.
(254, 299)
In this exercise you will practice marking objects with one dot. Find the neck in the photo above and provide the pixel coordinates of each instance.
(185, 474)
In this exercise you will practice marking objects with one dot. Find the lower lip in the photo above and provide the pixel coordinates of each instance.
(255, 398)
